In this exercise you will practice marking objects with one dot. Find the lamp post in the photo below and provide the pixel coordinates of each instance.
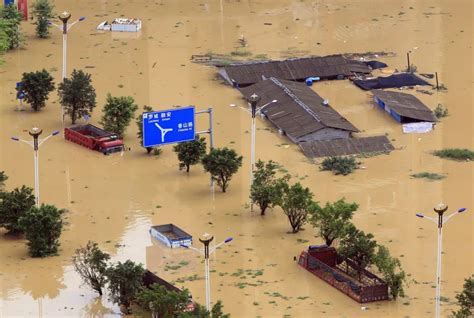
(254, 99)
(206, 239)
(440, 210)
(64, 17)
(35, 132)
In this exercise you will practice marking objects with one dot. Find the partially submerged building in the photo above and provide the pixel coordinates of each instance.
(299, 113)
(392, 81)
(345, 147)
(404, 108)
(298, 69)
(121, 25)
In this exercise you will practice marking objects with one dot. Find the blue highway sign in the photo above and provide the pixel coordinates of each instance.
(168, 126)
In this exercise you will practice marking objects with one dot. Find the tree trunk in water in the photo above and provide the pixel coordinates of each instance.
(263, 208)
(149, 149)
(73, 117)
(329, 241)
(187, 168)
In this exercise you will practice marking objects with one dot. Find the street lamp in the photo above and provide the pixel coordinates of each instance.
(205, 239)
(254, 99)
(35, 132)
(64, 17)
(440, 209)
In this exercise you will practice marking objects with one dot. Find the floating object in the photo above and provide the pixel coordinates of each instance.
(171, 235)
(309, 81)
(121, 25)
(417, 128)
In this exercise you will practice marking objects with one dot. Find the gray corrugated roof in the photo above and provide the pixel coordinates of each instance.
(405, 105)
(293, 69)
(343, 147)
(299, 110)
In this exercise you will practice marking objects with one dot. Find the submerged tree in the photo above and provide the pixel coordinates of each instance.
(13, 206)
(190, 152)
(43, 11)
(333, 219)
(466, 299)
(37, 86)
(3, 178)
(43, 227)
(296, 202)
(162, 302)
(91, 264)
(201, 312)
(392, 273)
(358, 246)
(139, 122)
(222, 164)
(266, 188)
(125, 281)
(77, 95)
(10, 20)
(118, 112)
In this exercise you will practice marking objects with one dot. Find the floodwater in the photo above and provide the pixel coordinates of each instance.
(113, 200)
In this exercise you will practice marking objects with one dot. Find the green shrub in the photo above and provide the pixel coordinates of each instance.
(428, 175)
(455, 154)
(440, 111)
(339, 165)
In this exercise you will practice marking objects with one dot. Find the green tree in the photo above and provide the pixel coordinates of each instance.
(139, 122)
(43, 228)
(43, 11)
(91, 264)
(201, 312)
(10, 19)
(222, 164)
(266, 189)
(162, 302)
(125, 281)
(339, 165)
(358, 246)
(13, 206)
(332, 220)
(77, 95)
(37, 86)
(390, 268)
(3, 178)
(4, 40)
(190, 152)
(466, 299)
(296, 202)
(118, 112)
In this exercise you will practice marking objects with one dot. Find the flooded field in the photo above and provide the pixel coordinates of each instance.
(113, 200)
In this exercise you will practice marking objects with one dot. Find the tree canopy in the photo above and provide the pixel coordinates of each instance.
(43, 227)
(77, 95)
(266, 188)
(13, 206)
(296, 202)
(118, 112)
(139, 122)
(125, 281)
(10, 20)
(37, 86)
(466, 299)
(333, 219)
(190, 152)
(162, 302)
(358, 246)
(390, 268)
(43, 12)
(222, 164)
(91, 264)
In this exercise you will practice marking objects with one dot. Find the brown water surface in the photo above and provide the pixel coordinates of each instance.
(113, 199)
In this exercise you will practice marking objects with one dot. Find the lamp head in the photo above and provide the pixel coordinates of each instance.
(35, 132)
(254, 99)
(441, 208)
(206, 238)
(64, 17)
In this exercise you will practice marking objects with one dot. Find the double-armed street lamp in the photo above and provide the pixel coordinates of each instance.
(440, 210)
(35, 132)
(206, 239)
(253, 100)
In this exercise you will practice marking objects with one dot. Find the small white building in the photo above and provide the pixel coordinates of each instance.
(121, 25)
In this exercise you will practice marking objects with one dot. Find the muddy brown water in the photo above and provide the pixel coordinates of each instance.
(113, 200)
